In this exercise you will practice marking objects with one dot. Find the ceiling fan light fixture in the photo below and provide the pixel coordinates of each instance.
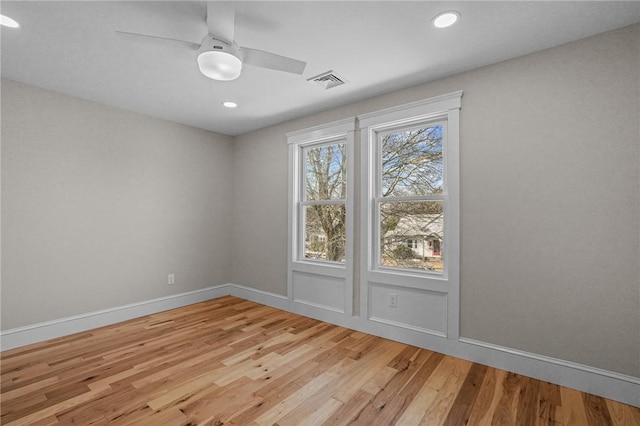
(446, 19)
(219, 65)
(219, 60)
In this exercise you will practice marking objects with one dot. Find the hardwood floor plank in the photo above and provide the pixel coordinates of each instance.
(149, 374)
(596, 409)
(23, 374)
(309, 406)
(217, 406)
(295, 399)
(527, 402)
(29, 389)
(364, 371)
(165, 417)
(320, 415)
(348, 413)
(52, 410)
(390, 402)
(488, 398)
(288, 379)
(321, 401)
(622, 414)
(463, 404)
(573, 409)
(506, 409)
(19, 407)
(378, 382)
(270, 395)
(453, 372)
(548, 403)
(206, 380)
(100, 410)
(230, 361)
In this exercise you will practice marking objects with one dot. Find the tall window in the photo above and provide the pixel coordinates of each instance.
(409, 232)
(324, 202)
(321, 221)
(410, 195)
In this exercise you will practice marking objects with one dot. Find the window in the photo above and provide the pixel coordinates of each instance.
(409, 215)
(408, 239)
(410, 195)
(320, 273)
(323, 207)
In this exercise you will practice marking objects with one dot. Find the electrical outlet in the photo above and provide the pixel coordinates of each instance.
(171, 279)
(393, 300)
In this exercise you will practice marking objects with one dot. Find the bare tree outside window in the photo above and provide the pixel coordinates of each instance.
(410, 202)
(324, 202)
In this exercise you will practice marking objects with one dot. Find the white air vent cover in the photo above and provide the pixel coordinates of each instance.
(327, 80)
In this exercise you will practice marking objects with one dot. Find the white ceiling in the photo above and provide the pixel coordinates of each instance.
(72, 47)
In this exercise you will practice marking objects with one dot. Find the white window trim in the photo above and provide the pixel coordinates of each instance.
(342, 130)
(445, 107)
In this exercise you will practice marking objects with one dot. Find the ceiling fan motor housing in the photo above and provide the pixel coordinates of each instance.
(219, 60)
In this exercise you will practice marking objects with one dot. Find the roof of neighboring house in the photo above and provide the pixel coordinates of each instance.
(419, 225)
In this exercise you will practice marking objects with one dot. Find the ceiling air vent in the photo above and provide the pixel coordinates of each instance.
(327, 80)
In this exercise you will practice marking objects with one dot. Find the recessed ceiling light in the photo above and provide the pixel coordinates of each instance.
(446, 19)
(8, 22)
(229, 104)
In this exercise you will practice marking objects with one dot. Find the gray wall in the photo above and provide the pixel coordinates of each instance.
(550, 207)
(100, 204)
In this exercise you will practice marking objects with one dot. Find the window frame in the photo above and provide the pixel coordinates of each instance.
(319, 270)
(440, 108)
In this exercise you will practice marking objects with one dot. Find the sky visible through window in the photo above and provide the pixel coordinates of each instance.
(412, 162)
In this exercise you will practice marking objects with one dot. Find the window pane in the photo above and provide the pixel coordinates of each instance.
(412, 162)
(326, 172)
(411, 235)
(324, 232)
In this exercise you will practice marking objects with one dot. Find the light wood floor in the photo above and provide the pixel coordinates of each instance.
(230, 361)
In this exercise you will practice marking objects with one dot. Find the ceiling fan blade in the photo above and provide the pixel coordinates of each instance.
(190, 44)
(221, 20)
(272, 61)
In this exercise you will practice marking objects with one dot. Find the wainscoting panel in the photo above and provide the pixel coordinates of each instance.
(416, 309)
(319, 290)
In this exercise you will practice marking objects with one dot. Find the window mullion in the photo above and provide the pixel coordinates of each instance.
(321, 202)
(435, 197)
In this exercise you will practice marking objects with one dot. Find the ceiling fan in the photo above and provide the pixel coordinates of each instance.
(219, 57)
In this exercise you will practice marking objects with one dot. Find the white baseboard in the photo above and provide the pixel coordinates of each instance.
(22, 336)
(608, 384)
(259, 296)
